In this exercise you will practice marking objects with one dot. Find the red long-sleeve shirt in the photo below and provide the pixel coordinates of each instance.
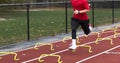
(80, 5)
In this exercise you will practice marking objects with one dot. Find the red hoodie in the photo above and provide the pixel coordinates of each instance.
(80, 5)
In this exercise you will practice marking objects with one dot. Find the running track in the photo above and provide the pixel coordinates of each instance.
(103, 52)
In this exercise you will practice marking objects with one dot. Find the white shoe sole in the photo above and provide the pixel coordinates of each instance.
(73, 47)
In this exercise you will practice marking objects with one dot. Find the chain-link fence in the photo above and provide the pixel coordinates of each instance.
(29, 21)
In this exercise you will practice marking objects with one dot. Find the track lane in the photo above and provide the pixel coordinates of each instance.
(23, 55)
(70, 57)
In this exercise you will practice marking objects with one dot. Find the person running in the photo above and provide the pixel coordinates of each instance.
(80, 17)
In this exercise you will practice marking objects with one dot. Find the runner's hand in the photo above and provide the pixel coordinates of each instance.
(76, 12)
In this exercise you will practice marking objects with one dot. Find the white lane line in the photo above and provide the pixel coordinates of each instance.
(113, 53)
(97, 54)
(63, 50)
(38, 57)
(54, 53)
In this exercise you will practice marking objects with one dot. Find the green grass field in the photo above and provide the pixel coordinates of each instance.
(43, 23)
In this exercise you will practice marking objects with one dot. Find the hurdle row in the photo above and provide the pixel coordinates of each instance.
(99, 38)
(42, 55)
(64, 41)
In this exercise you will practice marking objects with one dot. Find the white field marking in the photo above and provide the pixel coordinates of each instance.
(63, 50)
(114, 53)
(98, 54)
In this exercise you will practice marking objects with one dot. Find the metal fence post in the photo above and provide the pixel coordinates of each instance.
(28, 19)
(93, 23)
(113, 21)
(66, 16)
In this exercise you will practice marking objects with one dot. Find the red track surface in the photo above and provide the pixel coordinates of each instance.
(103, 52)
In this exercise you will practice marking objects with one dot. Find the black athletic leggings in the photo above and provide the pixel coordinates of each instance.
(75, 23)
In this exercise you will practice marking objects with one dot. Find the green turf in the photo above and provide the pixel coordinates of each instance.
(43, 23)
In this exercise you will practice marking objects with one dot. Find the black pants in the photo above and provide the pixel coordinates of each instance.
(75, 23)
